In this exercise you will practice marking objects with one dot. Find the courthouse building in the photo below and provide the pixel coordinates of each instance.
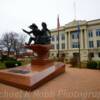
(69, 44)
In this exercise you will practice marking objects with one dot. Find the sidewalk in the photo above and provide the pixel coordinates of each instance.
(74, 84)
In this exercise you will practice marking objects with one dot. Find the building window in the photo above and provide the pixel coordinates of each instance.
(90, 34)
(99, 54)
(98, 43)
(76, 55)
(53, 38)
(57, 46)
(72, 36)
(91, 54)
(97, 32)
(63, 36)
(75, 45)
(91, 45)
(63, 45)
(57, 37)
(75, 35)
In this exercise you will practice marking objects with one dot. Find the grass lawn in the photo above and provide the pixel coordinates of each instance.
(2, 65)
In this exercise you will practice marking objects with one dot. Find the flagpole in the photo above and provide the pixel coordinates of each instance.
(74, 5)
(58, 36)
(79, 44)
(58, 45)
(79, 59)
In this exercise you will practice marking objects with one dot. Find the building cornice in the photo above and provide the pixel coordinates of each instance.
(75, 23)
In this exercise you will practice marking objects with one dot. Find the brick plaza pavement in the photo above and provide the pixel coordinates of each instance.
(74, 84)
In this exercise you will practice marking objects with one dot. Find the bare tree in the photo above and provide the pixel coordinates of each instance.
(18, 44)
(7, 41)
(12, 41)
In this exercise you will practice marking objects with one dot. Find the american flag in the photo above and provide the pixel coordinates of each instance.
(78, 28)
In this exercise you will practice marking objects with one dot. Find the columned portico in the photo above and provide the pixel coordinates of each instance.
(86, 42)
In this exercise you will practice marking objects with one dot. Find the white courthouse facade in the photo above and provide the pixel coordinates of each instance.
(89, 40)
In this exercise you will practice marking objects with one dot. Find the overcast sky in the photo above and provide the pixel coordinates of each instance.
(18, 14)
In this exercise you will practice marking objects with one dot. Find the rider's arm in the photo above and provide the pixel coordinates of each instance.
(27, 31)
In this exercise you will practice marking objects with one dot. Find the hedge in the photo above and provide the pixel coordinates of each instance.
(92, 65)
(11, 64)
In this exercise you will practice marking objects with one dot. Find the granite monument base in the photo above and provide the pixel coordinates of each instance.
(35, 74)
(29, 78)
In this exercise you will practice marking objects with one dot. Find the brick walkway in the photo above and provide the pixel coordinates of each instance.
(74, 84)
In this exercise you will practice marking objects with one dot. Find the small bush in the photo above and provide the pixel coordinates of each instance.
(92, 65)
(3, 58)
(99, 65)
(6, 58)
(19, 63)
(11, 64)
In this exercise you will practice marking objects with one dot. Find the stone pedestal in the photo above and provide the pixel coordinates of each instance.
(35, 74)
(42, 52)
